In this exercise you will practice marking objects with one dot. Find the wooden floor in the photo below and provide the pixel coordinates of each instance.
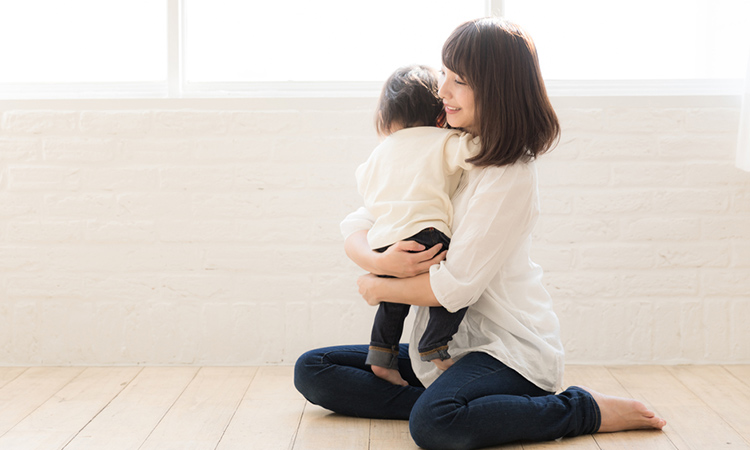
(183, 408)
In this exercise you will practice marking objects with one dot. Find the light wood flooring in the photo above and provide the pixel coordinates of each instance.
(223, 408)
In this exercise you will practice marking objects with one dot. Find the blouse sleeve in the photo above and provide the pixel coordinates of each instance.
(359, 220)
(498, 218)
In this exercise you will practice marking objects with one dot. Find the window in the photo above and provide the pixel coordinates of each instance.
(638, 39)
(72, 42)
(220, 48)
(303, 40)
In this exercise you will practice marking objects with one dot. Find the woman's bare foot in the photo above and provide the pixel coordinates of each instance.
(620, 414)
(443, 364)
(389, 375)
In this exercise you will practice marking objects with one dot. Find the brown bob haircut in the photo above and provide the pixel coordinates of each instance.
(498, 60)
(409, 99)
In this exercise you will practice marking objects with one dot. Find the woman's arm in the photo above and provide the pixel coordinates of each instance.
(495, 222)
(410, 291)
(406, 260)
(399, 260)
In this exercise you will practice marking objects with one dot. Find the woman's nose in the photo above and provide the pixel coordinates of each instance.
(442, 91)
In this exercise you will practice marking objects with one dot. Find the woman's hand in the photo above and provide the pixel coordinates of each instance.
(401, 261)
(367, 288)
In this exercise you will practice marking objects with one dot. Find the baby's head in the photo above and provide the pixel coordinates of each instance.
(409, 99)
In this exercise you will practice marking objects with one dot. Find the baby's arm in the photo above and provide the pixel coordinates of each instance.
(458, 148)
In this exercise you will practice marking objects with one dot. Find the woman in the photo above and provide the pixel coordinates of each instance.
(507, 351)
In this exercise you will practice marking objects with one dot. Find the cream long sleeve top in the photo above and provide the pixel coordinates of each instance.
(407, 181)
(488, 269)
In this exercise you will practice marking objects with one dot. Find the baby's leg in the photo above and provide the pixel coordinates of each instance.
(392, 376)
(384, 342)
(433, 346)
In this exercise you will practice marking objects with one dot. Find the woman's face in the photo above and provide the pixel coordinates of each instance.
(458, 99)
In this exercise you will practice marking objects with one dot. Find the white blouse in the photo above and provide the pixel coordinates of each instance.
(488, 268)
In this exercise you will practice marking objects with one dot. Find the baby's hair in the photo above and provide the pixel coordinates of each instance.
(409, 99)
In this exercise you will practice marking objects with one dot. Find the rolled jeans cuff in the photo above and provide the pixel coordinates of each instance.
(591, 418)
(382, 357)
(437, 353)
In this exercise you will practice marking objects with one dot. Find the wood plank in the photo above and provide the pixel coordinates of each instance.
(57, 420)
(575, 443)
(691, 424)
(321, 429)
(515, 446)
(201, 414)
(269, 414)
(600, 379)
(8, 374)
(741, 372)
(391, 435)
(719, 389)
(73, 408)
(21, 396)
(129, 419)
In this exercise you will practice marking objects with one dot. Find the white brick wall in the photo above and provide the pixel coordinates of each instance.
(650, 221)
(206, 231)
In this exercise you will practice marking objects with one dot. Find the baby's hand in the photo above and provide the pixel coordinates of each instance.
(367, 284)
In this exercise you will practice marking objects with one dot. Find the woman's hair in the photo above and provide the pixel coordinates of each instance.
(409, 99)
(515, 118)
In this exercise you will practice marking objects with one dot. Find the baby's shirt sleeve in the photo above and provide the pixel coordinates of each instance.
(358, 220)
(458, 148)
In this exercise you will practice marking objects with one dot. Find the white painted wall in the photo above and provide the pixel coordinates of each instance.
(206, 231)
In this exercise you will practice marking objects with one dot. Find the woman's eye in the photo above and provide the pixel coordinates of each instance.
(460, 82)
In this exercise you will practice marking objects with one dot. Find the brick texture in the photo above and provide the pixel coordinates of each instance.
(142, 234)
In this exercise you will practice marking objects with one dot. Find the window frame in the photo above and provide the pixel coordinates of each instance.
(176, 86)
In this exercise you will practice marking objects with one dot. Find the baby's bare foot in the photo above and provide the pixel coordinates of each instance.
(390, 375)
(443, 364)
(620, 414)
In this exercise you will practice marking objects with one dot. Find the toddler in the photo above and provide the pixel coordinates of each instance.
(406, 184)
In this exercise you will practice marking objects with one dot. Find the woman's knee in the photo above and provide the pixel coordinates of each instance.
(305, 369)
(431, 426)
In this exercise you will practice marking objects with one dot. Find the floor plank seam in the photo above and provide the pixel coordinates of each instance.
(299, 424)
(75, 435)
(14, 378)
(176, 399)
(43, 402)
(733, 375)
(236, 407)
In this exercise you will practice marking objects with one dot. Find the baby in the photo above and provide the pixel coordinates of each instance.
(407, 183)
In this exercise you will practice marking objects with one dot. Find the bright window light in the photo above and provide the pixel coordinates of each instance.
(54, 41)
(326, 40)
(95, 48)
(637, 39)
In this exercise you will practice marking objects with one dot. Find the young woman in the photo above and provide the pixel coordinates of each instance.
(507, 351)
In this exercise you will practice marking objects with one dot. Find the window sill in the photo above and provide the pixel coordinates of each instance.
(332, 89)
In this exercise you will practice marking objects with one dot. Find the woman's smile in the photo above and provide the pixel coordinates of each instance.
(458, 101)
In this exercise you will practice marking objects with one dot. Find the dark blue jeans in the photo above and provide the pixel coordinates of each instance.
(478, 402)
(389, 320)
